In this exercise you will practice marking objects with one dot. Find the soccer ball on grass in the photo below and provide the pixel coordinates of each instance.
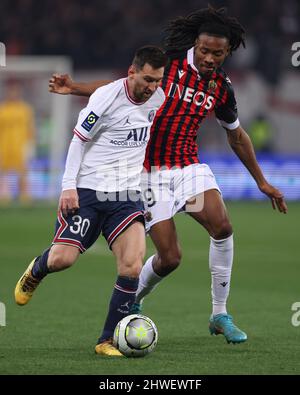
(135, 335)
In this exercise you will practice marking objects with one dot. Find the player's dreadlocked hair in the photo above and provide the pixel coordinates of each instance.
(183, 31)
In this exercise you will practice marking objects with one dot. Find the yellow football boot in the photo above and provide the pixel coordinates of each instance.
(107, 348)
(26, 286)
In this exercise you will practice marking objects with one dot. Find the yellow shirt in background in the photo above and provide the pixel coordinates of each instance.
(16, 132)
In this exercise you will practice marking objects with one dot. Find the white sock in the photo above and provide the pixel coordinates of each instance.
(220, 264)
(148, 280)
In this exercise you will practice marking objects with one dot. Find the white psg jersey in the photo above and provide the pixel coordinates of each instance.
(116, 131)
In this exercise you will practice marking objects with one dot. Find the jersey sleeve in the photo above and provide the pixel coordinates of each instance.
(227, 113)
(73, 163)
(89, 119)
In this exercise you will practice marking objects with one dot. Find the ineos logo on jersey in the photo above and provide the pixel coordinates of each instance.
(136, 138)
(191, 95)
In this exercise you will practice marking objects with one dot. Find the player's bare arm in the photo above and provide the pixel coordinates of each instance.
(241, 144)
(64, 85)
(68, 202)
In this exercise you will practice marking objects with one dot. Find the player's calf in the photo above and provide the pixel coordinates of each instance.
(62, 257)
(129, 250)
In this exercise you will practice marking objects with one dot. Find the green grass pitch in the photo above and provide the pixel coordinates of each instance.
(56, 332)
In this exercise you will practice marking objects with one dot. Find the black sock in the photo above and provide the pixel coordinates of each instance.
(40, 268)
(121, 300)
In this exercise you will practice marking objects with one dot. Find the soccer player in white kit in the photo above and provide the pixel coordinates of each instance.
(195, 85)
(101, 186)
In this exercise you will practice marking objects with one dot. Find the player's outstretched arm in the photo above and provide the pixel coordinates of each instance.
(241, 144)
(64, 85)
(69, 201)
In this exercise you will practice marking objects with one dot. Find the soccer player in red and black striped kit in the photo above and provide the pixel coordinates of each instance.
(195, 85)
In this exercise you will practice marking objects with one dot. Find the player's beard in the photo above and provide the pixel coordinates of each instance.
(142, 95)
(206, 72)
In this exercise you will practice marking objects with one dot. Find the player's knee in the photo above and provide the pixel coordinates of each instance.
(130, 269)
(60, 260)
(223, 230)
(130, 265)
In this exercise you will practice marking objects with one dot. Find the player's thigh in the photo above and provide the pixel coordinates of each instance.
(213, 216)
(158, 197)
(190, 184)
(82, 228)
(129, 249)
(165, 239)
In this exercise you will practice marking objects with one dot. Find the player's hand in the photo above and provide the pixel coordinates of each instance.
(276, 197)
(61, 83)
(68, 202)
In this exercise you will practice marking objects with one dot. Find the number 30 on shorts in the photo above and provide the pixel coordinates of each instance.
(80, 225)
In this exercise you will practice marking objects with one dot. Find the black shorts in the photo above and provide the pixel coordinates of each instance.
(106, 213)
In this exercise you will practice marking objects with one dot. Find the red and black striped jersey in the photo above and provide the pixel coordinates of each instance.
(189, 99)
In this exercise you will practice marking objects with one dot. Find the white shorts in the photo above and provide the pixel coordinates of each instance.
(167, 192)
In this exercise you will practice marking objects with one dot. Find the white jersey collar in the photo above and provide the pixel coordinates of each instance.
(131, 99)
(190, 59)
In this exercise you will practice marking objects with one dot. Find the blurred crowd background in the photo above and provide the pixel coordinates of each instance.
(99, 33)
(96, 39)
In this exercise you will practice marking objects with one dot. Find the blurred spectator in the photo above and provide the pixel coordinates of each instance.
(16, 140)
(261, 133)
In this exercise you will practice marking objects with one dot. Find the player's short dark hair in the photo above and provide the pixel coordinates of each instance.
(183, 31)
(150, 54)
